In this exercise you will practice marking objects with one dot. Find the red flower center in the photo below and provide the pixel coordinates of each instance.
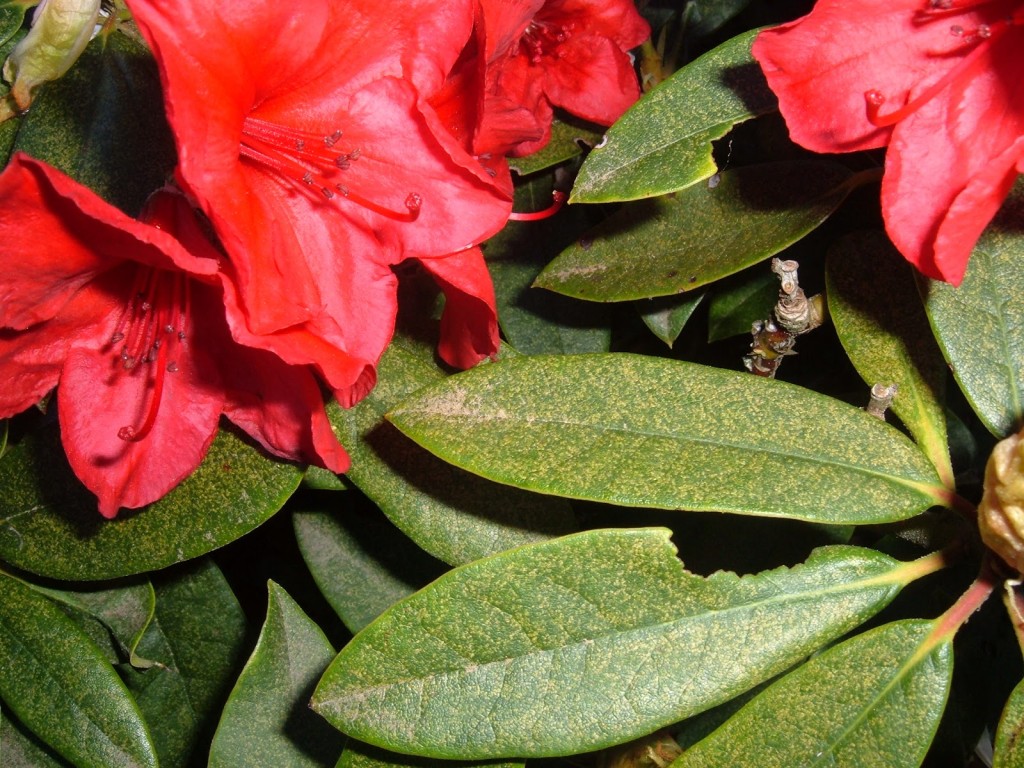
(974, 43)
(149, 331)
(313, 163)
(541, 37)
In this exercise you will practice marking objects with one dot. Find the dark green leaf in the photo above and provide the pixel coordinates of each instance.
(535, 321)
(566, 143)
(267, 721)
(584, 642)
(733, 309)
(870, 702)
(980, 324)
(196, 641)
(680, 242)
(360, 755)
(663, 143)
(362, 564)
(49, 524)
(12, 14)
(646, 432)
(877, 313)
(103, 123)
(1009, 746)
(124, 611)
(61, 687)
(709, 15)
(20, 749)
(455, 516)
(666, 316)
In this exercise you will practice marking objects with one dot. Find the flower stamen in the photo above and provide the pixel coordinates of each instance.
(980, 36)
(311, 162)
(151, 325)
(557, 201)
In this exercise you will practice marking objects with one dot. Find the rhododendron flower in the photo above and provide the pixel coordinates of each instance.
(127, 319)
(538, 54)
(938, 82)
(304, 133)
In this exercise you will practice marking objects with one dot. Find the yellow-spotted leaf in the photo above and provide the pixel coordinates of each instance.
(871, 702)
(586, 641)
(639, 431)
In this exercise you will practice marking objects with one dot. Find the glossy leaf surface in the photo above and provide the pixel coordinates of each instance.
(49, 524)
(1009, 742)
(663, 143)
(980, 324)
(873, 701)
(195, 643)
(639, 431)
(266, 721)
(362, 564)
(583, 642)
(455, 516)
(699, 235)
(876, 309)
(61, 687)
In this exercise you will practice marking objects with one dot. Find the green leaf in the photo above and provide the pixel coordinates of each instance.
(61, 687)
(21, 749)
(360, 755)
(709, 15)
(124, 611)
(49, 524)
(876, 310)
(873, 701)
(980, 324)
(361, 563)
(533, 321)
(640, 431)
(663, 143)
(584, 642)
(266, 721)
(103, 123)
(12, 14)
(455, 516)
(1009, 746)
(666, 315)
(196, 641)
(566, 143)
(733, 309)
(680, 242)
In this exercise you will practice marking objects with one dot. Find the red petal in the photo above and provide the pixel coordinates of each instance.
(821, 65)
(58, 236)
(281, 407)
(592, 78)
(31, 361)
(951, 163)
(469, 324)
(97, 398)
(343, 353)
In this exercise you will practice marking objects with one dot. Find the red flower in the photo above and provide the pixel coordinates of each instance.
(128, 317)
(938, 82)
(538, 54)
(304, 134)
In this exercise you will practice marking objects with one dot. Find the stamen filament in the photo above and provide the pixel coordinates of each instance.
(875, 99)
(557, 201)
(277, 147)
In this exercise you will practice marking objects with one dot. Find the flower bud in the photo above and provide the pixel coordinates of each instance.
(1001, 512)
(60, 31)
